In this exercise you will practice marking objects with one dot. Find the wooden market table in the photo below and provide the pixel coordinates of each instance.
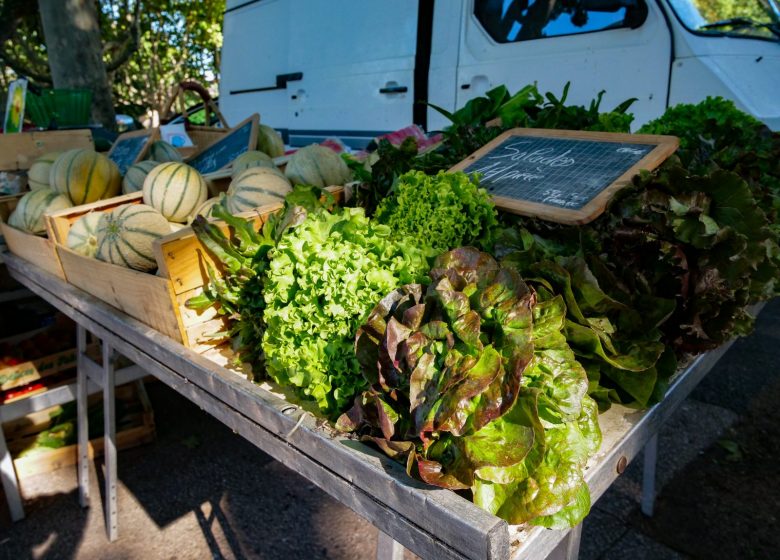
(431, 522)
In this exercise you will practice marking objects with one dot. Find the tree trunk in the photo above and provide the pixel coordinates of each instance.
(75, 52)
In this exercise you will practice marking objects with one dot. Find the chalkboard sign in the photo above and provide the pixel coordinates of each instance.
(131, 147)
(561, 175)
(222, 152)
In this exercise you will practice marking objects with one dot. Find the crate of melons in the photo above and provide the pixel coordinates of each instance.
(137, 252)
(57, 180)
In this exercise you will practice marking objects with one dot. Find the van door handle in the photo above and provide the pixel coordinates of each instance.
(394, 89)
(281, 83)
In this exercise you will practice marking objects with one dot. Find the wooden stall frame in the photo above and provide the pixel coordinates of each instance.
(19, 151)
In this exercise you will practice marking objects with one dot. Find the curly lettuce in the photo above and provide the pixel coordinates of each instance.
(323, 279)
(442, 211)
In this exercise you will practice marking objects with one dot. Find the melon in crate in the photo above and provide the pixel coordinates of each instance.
(85, 176)
(38, 174)
(175, 190)
(161, 151)
(207, 208)
(125, 236)
(251, 159)
(82, 236)
(317, 165)
(255, 187)
(133, 180)
(28, 215)
(269, 141)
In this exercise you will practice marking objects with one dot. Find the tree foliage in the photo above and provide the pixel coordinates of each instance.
(148, 46)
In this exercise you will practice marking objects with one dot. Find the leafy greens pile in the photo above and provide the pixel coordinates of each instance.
(442, 211)
(714, 134)
(323, 278)
(469, 131)
(472, 383)
(236, 290)
(616, 337)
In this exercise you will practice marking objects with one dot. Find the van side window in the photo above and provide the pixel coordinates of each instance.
(509, 21)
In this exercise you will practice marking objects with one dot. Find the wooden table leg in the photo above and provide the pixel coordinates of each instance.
(10, 483)
(648, 476)
(387, 548)
(82, 382)
(109, 439)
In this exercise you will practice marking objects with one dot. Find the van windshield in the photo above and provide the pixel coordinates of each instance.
(744, 18)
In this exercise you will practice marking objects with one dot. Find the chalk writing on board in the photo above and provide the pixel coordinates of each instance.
(126, 151)
(225, 150)
(563, 172)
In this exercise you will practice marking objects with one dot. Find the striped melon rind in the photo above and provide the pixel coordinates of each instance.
(255, 187)
(251, 159)
(38, 174)
(207, 207)
(133, 181)
(28, 215)
(126, 236)
(82, 236)
(317, 165)
(175, 190)
(85, 176)
(269, 141)
(162, 151)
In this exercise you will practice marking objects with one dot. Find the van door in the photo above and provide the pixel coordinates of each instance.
(254, 66)
(590, 43)
(357, 61)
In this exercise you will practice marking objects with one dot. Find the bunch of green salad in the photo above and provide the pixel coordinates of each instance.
(323, 279)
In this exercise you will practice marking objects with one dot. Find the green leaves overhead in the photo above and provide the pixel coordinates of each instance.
(472, 383)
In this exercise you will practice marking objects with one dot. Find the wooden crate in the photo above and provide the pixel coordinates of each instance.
(133, 429)
(40, 249)
(19, 151)
(156, 300)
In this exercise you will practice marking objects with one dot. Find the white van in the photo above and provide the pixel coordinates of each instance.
(354, 68)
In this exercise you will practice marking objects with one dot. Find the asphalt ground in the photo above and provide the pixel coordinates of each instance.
(201, 491)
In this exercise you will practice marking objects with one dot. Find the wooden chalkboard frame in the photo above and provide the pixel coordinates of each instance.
(664, 147)
(254, 119)
(153, 135)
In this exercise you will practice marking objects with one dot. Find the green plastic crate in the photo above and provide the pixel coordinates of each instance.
(65, 107)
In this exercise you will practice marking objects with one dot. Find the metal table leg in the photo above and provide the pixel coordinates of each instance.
(82, 418)
(10, 483)
(648, 476)
(569, 547)
(387, 548)
(109, 439)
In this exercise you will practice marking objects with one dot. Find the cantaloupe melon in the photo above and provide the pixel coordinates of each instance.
(85, 176)
(162, 151)
(38, 174)
(251, 159)
(207, 207)
(126, 236)
(175, 190)
(254, 187)
(133, 180)
(317, 165)
(28, 215)
(82, 236)
(269, 141)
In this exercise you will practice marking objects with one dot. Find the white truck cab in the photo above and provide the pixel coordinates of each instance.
(356, 68)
